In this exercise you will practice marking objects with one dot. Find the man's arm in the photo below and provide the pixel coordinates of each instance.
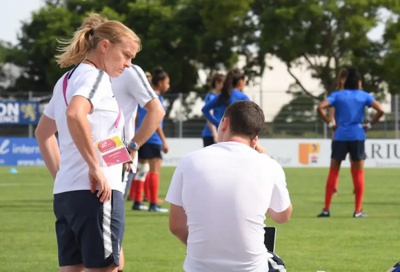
(48, 144)
(281, 217)
(280, 207)
(178, 223)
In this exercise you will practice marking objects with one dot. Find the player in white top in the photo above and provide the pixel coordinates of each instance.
(88, 201)
(220, 195)
(131, 89)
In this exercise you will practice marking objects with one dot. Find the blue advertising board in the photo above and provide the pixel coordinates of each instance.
(19, 152)
(19, 112)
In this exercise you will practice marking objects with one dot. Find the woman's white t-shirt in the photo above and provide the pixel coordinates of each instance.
(93, 84)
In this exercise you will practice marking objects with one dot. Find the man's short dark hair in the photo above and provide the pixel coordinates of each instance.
(246, 118)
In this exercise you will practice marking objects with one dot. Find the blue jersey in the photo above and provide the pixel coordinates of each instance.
(349, 113)
(206, 131)
(219, 110)
(155, 138)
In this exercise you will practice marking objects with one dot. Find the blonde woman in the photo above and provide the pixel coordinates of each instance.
(88, 196)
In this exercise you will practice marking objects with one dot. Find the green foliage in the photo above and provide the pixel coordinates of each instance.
(180, 35)
(184, 36)
(392, 41)
(37, 47)
(326, 35)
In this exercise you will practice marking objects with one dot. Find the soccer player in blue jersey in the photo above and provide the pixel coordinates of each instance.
(349, 136)
(209, 133)
(231, 91)
(150, 152)
(339, 86)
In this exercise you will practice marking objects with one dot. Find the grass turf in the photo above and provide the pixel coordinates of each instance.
(306, 243)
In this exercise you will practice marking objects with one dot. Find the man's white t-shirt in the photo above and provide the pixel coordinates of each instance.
(93, 84)
(131, 89)
(226, 190)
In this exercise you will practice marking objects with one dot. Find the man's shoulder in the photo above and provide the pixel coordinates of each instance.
(199, 155)
(268, 161)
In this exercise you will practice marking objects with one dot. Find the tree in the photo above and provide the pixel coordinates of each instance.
(3, 53)
(299, 113)
(183, 36)
(391, 65)
(37, 47)
(326, 35)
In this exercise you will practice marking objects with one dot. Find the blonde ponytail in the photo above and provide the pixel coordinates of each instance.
(74, 51)
(93, 20)
(94, 29)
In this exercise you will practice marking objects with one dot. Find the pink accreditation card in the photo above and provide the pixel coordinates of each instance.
(113, 151)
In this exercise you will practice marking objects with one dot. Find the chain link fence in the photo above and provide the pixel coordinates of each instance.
(286, 116)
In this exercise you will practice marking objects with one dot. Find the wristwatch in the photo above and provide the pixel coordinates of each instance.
(134, 146)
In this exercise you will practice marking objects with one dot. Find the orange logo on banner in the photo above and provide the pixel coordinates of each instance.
(308, 153)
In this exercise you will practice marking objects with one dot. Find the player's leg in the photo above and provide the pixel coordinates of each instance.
(357, 154)
(121, 261)
(101, 232)
(335, 188)
(339, 151)
(154, 182)
(72, 268)
(147, 188)
(154, 179)
(138, 184)
(111, 268)
(69, 256)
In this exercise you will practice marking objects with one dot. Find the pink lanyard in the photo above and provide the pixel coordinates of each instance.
(65, 84)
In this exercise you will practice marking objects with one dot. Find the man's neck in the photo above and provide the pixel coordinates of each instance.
(238, 139)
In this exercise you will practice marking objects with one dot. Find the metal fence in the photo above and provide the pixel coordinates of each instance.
(286, 116)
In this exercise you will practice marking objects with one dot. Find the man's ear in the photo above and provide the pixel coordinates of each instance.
(253, 142)
(224, 124)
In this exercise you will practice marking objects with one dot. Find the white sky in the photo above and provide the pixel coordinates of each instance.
(12, 13)
(274, 83)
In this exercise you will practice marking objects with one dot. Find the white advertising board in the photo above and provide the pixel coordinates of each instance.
(299, 152)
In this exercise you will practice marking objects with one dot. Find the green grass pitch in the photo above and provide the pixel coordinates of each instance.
(306, 243)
